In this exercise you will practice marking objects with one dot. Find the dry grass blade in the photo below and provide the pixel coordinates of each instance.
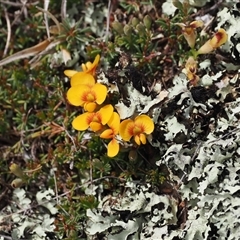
(34, 62)
(27, 52)
(63, 9)
(46, 4)
(18, 4)
(52, 17)
(8, 33)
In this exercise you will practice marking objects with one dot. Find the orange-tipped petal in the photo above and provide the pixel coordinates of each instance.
(113, 148)
(106, 113)
(146, 122)
(75, 93)
(70, 73)
(114, 123)
(124, 128)
(101, 92)
(82, 78)
(82, 121)
(107, 134)
(90, 106)
(219, 38)
(91, 67)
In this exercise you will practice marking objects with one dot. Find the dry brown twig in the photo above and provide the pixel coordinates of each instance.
(15, 4)
(39, 49)
(8, 32)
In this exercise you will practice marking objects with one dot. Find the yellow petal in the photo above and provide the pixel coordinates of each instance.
(70, 73)
(190, 38)
(90, 106)
(91, 67)
(124, 129)
(146, 122)
(113, 148)
(196, 24)
(137, 140)
(191, 76)
(96, 60)
(82, 121)
(107, 134)
(106, 113)
(86, 66)
(75, 93)
(205, 48)
(114, 123)
(82, 78)
(143, 138)
(191, 65)
(95, 126)
(100, 91)
(219, 38)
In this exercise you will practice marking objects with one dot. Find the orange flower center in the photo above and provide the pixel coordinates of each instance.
(94, 117)
(97, 118)
(89, 96)
(136, 130)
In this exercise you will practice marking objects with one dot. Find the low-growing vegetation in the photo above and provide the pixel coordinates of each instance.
(119, 120)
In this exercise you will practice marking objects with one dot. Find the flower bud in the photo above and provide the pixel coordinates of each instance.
(132, 155)
(118, 27)
(147, 22)
(135, 22)
(127, 30)
(16, 183)
(141, 29)
(16, 170)
(177, 4)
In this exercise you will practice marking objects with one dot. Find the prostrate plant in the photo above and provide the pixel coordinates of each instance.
(216, 41)
(190, 34)
(100, 117)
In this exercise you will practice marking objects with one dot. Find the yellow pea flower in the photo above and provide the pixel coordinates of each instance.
(110, 133)
(91, 67)
(189, 32)
(191, 71)
(137, 128)
(94, 120)
(82, 78)
(87, 96)
(218, 39)
(87, 67)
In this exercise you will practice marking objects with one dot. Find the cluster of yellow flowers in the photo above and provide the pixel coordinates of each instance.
(189, 33)
(101, 118)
